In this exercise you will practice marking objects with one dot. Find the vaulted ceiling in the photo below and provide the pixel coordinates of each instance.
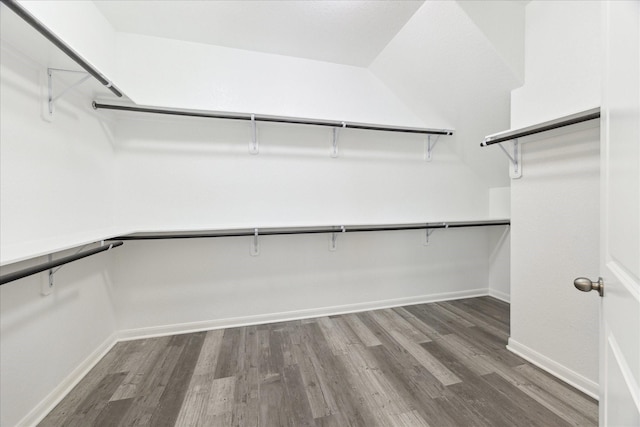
(433, 63)
(344, 32)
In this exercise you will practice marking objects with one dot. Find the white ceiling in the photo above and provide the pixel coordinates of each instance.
(341, 31)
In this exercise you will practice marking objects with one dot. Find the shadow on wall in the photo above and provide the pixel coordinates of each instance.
(232, 138)
(181, 282)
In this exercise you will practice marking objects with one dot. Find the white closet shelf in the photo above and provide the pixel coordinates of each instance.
(512, 134)
(12, 254)
(52, 264)
(255, 232)
(514, 153)
(37, 25)
(70, 53)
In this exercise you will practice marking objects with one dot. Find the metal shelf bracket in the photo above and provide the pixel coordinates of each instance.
(429, 145)
(51, 98)
(334, 145)
(515, 160)
(253, 145)
(47, 287)
(429, 231)
(427, 234)
(333, 240)
(255, 244)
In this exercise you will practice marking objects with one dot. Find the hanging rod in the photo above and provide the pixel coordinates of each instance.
(49, 35)
(572, 119)
(10, 277)
(272, 119)
(309, 230)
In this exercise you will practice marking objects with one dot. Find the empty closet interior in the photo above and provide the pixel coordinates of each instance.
(337, 158)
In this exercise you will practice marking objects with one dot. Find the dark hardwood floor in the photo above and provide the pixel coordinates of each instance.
(440, 364)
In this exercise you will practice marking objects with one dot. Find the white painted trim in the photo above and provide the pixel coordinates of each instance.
(626, 278)
(185, 328)
(559, 371)
(47, 404)
(502, 296)
(623, 366)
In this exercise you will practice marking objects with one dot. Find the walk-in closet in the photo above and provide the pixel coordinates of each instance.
(319, 213)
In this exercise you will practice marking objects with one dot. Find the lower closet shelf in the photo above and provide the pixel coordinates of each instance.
(272, 231)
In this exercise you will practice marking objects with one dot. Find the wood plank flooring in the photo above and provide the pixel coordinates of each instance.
(440, 364)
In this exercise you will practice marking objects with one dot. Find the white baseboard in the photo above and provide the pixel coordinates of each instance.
(38, 413)
(559, 371)
(185, 328)
(503, 296)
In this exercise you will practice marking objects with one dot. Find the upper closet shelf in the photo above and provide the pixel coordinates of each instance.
(429, 143)
(272, 119)
(572, 119)
(515, 157)
(49, 35)
(27, 17)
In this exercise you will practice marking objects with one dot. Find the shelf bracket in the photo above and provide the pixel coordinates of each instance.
(255, 244)
(333, 241)
(429, 145)
(427, 233)
(334, 145)
(515, 159)
(253, 145)
(51, 98)
(47, 286)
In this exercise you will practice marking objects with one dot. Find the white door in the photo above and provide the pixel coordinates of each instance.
(620, 217)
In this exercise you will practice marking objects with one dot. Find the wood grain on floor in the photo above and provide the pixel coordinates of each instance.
(439, 364)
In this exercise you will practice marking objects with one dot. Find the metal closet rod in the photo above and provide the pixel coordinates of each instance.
(10, 277)
(272, 119)
(38, 26)
(309, 230)
(572, 119)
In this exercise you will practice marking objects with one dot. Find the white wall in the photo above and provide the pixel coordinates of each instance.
(502, 22)
(55, 191)
(196, 174)
(81, 26)
(182, 285)
(55, 177)
(554, 239)
(499, 250)
(48, 342)
(500, 245)
(562, 62)
(442, 64)
(555, 205)
(153, 71)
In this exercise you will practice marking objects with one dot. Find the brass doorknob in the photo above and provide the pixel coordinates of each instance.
(585, 285)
